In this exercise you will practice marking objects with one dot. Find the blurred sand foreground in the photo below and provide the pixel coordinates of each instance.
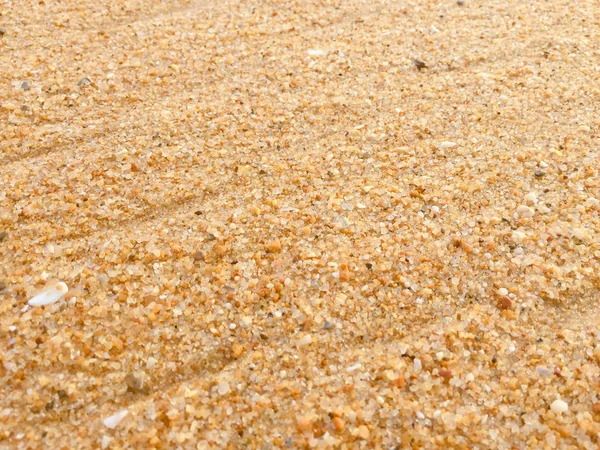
(299, 224)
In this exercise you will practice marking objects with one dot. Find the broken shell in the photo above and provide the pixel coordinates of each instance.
(49, 295)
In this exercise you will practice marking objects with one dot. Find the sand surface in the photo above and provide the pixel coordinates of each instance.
(300, 224)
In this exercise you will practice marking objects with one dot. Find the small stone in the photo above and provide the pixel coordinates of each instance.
(445, 374)
(525, 211)
(419, 64)
(559, 406)
(460, 2)
(518, 236)
(400, 382)
(25, 85)
(84, 82)
(307, 339)
(44, 381)
(2, 31)
(2, 286)
(505, 303)
(503, 292)
(417, 365)
(135, 381)
(531, 197)
(303, 422)
(338, 423)
(539, 173)
(237, 350)
(596, 408)
(199, 256)
(327, 325)
(543, 371)
(363, 432)
(223, 388)
(344, 275)
(3, 235)
(220, 249)
(274, 246)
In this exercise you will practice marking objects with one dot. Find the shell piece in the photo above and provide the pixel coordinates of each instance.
(112, 421)
(49, 295)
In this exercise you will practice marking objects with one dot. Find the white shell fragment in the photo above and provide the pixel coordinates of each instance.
(447, 144)
(316, 52)
(49, 295)
(559, 406)
(112, 421)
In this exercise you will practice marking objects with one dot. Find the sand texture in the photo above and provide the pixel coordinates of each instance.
(299, 224)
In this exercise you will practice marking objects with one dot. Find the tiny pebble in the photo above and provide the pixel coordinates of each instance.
(503, 292)
(543, 371)
(460, 2)
(559, 406)
(518, 236)
(3, 235)
(25, 85)
(445, 374)
(307, 339)
(539, 173)
(135, 381)
(273, 246)
(525, 211)
(363, 432)
(505, 303)
(84, 82)
(223, 388)
(531, 197)
(2, 31)
(338, 423)
(327, 325)
(417, 365)
(419, 64)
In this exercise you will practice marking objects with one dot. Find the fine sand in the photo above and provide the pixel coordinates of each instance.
(299, 224)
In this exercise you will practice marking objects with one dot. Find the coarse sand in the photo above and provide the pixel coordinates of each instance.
(299, 224)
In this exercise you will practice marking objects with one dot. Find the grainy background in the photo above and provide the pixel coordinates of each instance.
(280, 230)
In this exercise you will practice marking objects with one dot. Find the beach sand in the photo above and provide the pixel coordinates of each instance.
(300, 224)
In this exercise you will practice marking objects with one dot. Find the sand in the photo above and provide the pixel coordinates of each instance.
(299, 224)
